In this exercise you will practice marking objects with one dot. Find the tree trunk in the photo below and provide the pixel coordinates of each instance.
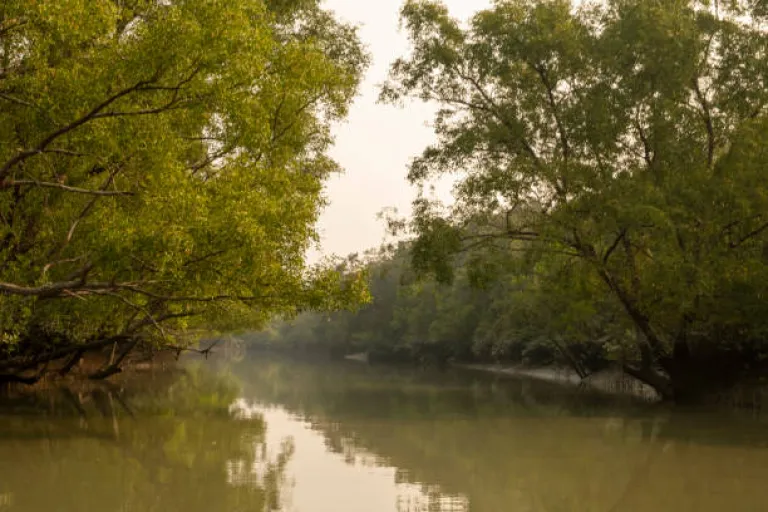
(649, 344)
(574, 363)
(661, 383)
(114, 366)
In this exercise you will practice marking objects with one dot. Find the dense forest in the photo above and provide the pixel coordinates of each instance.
(516, 317)
(610, 189)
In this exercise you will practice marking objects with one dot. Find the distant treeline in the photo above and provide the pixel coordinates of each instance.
(511, 318)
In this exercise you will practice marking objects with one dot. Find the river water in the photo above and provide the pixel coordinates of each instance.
(278, 435)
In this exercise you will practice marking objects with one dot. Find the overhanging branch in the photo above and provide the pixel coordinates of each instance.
(66, 188)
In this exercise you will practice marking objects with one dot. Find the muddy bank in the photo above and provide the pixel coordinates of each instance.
(611, 380)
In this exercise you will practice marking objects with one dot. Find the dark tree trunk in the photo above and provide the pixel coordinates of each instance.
(661, 383)
(572, 360)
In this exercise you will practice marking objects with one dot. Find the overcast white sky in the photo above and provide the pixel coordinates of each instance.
(376, 143)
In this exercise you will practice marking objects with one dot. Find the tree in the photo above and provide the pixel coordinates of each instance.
(161, 169)
(621, 138)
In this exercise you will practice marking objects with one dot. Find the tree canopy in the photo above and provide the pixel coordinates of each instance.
(621, 145)
(161, 168)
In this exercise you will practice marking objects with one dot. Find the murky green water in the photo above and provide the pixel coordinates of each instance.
(287, 436)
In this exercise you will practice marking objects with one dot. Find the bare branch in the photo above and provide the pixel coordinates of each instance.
(46, 184)
(147, 314)
(23, 363)
(706, 115)
(614, 245)
(749, 236)
(203, 352)
(84, 213)
(212, 157)
(171, 298)
(205, 257)
(170, 105)
(83, 288)
(98, 112)
(648, 153)
(159, 319)
(494, 110)
(92, 114)
(277, 135)
(72, 362)
(114, 367)
(52, 264)
(553, 106)
(17, 101)
(11, 24)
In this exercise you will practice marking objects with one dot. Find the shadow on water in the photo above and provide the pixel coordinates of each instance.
(166, 443)
(516, 444)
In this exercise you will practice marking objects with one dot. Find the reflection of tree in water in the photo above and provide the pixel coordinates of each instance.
(431, 424)
(266, 472)
(172, 447)
(430, 498)
(521, 445)
(413, 495)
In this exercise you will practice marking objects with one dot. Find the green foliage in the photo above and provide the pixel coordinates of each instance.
(162, 164)
(515, 317)
(626, 136)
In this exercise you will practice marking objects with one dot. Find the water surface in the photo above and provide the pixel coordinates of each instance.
(279, 435)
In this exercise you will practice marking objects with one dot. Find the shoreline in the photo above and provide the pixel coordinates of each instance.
(610, 380)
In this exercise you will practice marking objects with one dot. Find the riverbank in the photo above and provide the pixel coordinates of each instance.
(611, 380)
(747, 395)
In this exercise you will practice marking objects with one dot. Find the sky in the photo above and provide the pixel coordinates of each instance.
(376, 143)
